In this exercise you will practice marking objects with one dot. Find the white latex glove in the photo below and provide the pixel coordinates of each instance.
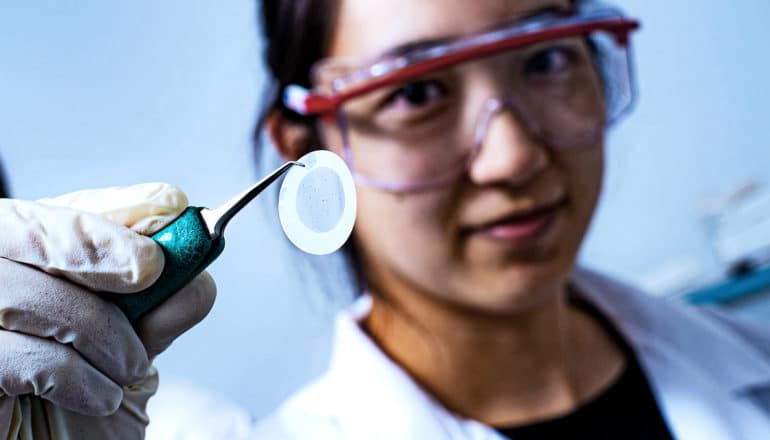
(71, 364)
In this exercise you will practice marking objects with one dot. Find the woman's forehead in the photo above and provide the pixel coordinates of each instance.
(366, 28)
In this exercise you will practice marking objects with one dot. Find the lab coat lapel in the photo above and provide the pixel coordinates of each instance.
(377, 400)
(702, 376)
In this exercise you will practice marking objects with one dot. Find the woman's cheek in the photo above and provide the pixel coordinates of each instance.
(405, 230)
(586, 171)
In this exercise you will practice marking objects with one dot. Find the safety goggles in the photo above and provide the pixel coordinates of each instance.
(414, 118)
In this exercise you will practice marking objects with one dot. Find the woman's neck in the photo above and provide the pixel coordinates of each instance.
(503, 370)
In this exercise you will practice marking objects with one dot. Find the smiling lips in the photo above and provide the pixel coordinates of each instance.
(521, 225)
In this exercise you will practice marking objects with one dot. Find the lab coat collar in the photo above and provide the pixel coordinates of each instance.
(707, 379)
(373, 398)
(656, 328)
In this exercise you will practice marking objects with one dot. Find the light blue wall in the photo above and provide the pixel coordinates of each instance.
(96, 93)
(701, 126)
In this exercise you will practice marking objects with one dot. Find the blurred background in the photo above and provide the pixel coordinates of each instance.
(96, 93)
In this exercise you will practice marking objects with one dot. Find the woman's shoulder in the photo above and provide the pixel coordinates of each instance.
(754, 333)
(181, 409)
(302, 416)
(185, 410)
(361, 394)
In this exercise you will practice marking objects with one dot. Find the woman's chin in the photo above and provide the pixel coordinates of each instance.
(516, 289)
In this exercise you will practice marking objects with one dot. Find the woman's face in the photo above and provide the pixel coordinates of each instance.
(480, 242)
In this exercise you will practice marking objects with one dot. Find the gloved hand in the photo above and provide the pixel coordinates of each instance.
(71, 364)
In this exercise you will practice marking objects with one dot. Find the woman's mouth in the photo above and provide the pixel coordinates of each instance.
(521, 226)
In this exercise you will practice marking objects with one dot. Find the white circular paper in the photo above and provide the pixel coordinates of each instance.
(317, 203)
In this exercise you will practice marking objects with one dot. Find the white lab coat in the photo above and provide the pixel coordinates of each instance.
(709, 374)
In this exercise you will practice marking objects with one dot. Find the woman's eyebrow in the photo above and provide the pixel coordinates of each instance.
(405, 48)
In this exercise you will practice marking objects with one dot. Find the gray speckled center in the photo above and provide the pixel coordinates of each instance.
(320, 200)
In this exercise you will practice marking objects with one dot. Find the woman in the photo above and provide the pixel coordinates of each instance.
(475, 130)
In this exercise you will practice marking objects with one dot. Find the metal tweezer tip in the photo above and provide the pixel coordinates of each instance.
(216, 219)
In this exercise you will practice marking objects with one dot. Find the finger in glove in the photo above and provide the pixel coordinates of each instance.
(82, 247)
(38, 304)
(55, 372)
(144, 208)
(159, 328)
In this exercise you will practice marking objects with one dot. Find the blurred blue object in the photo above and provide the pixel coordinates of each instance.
(746, 294)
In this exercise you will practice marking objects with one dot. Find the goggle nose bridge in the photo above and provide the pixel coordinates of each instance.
(491, 108)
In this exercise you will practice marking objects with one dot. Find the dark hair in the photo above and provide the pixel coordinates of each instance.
(297, 34)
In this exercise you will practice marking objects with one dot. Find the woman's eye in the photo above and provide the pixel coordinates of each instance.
(550, 61)
(417, 94)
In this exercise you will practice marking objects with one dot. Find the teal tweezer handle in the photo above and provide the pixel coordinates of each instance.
(188, 248)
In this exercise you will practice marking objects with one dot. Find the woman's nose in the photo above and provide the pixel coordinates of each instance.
(506, 150)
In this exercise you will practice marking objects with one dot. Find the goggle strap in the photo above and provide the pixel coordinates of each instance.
(302, 101)
(295, 98)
